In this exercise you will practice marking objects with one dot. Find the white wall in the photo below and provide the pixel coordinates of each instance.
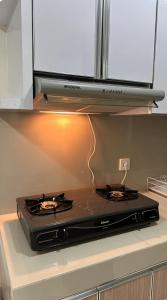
(3, 63)
(47, 152)
(16, 79)
(14, 54)
(19, 47)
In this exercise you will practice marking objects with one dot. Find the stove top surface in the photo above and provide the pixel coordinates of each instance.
(85, 204)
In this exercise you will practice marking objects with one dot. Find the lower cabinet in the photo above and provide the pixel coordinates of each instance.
(160, 284)
(132, 289)
(93, 297)
(151, 285)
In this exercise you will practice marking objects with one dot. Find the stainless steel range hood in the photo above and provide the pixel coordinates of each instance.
(91, 97)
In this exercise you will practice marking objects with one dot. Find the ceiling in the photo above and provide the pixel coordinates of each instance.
(6, 9)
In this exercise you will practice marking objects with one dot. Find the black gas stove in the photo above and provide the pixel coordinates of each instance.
(60, 219)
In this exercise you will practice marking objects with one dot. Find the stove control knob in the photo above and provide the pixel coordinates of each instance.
(140, 217)
(61, 234)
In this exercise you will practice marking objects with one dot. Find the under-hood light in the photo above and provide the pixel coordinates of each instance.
(66, 112)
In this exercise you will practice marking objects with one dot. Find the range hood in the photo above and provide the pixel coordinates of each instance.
(91, 97)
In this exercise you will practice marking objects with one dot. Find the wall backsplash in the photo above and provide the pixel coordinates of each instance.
(47, 152)
(3, 63)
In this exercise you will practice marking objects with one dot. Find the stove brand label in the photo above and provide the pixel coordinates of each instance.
(105, 222)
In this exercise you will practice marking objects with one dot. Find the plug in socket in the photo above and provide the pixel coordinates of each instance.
(124, 164)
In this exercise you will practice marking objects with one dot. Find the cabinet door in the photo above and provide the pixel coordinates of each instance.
(160, 70)
(137, 289)
(87, 295)
(65, 36)
(160, 285)
(93, 297)
(131, 39)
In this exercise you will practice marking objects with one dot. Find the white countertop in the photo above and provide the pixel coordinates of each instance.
(61, 273)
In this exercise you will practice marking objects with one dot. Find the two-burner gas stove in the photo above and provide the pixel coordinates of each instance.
(58, 220)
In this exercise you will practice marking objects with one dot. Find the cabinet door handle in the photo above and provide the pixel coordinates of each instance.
(99, 33)
(106, 36)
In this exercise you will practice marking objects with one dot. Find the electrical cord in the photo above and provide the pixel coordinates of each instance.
(92, 153)
(126, 172)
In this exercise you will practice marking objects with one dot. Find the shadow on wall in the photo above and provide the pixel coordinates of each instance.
(48, 152)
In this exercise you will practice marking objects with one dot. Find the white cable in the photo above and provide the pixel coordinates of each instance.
(92, 153)
(126, 172)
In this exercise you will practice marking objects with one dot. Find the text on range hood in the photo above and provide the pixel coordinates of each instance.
(91, 97)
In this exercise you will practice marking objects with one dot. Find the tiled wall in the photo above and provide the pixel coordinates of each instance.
(46, 152)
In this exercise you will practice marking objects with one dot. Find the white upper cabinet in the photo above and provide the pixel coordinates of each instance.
(130, 49)
(68, 40)
(160, 70)
(65, 36)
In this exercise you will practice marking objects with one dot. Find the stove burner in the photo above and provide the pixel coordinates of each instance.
(48, 204)
(117, 192)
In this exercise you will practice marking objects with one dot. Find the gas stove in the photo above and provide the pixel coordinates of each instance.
(57, 220)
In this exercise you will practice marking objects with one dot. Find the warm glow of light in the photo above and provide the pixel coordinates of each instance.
(62, 136)
(63, 121)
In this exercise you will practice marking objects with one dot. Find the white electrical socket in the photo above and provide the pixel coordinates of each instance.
(124, 164)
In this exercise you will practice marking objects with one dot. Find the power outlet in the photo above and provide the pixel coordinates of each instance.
(124, 164)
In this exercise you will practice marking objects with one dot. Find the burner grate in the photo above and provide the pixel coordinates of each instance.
(117, 192)
(48, 204)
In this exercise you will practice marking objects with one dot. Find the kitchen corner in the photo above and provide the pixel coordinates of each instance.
(68, 271)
